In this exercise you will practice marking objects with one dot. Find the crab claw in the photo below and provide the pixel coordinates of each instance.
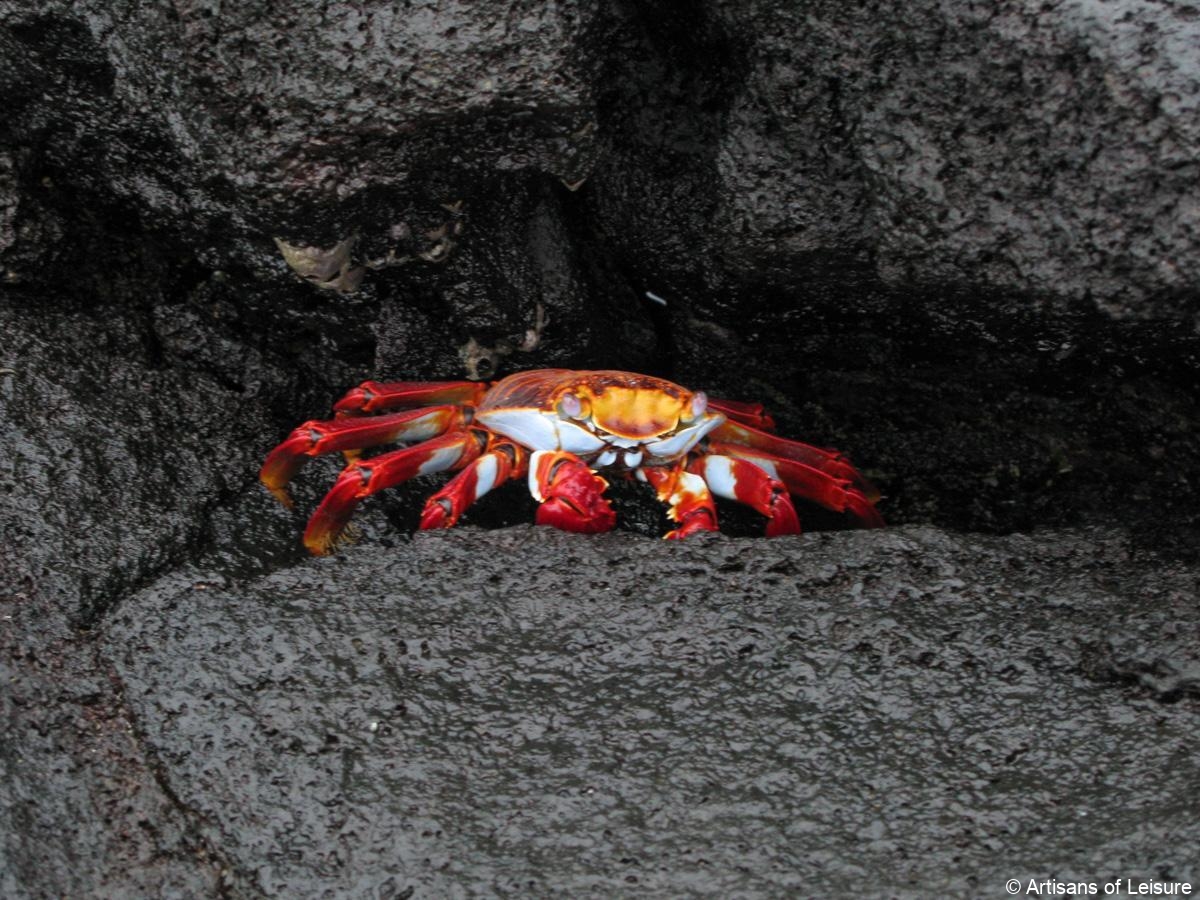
(571, 495)
(688, 499)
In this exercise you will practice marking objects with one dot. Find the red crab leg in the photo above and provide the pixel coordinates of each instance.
(504, 461)
(803, 480)
(375, 396)
(744, 413)
(687, 497)
(743, 481)
(571, 494)
(316, 437)
(360, 480)
(829, 461)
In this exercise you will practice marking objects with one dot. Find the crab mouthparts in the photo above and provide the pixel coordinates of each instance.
(629, 459)
(591, 441)
(627, 453)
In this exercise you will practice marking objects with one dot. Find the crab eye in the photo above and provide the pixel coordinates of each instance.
(699, 405)
(571, 406)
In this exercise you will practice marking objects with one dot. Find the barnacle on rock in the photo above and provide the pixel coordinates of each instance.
(482, 362)
(334, 269)
(330, 269)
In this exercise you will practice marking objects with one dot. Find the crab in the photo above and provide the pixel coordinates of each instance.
(565, 430)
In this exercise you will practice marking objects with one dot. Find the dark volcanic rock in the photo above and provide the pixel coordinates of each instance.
(898, 713)
(398, 131)
(210, 117)
(100, 492)
(1048, 150)
(956, 241)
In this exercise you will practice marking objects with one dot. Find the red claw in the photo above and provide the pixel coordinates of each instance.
(571, 495)
(438, 513)
(688, 500)
(327, 525)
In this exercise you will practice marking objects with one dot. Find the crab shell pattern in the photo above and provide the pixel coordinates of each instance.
(561, 428)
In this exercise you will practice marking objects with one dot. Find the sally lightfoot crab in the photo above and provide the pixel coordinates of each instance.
(561, 428)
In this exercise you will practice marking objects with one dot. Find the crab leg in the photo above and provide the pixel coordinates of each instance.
(504, 461)
(744, 413)
(571, 494)
(360, 480)
(375, 396)
(772, 446)
(687, 497)
(745, 482)
(317, 437)
(803, 480)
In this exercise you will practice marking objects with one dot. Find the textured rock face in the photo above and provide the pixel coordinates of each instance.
(959, 243)
(1044, 149)
(252, 111)
(219, 128)
(924, 712)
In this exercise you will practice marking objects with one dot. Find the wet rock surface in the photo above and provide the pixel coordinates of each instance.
(1048, 152)
(100, 494)
(519, 710)
(960, 244)
(1044, 150)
